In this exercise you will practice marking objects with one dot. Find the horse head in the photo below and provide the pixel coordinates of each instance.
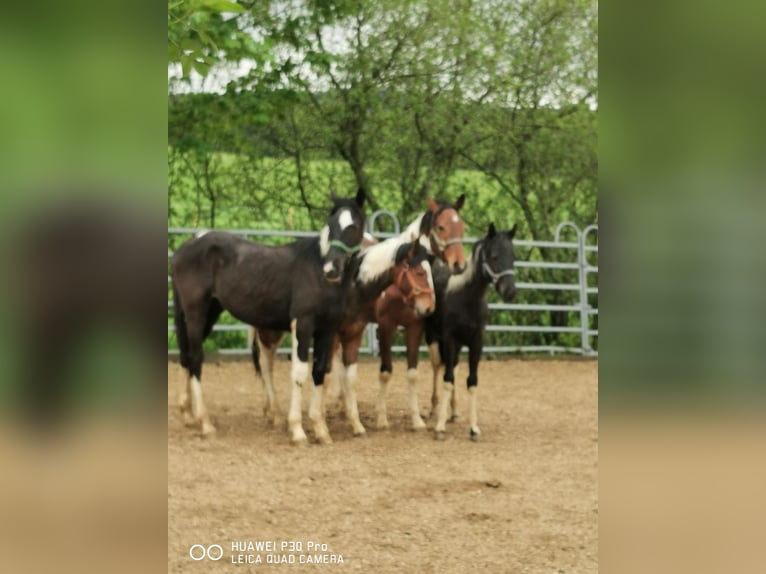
(412, 278)
(445, 228)
(341, 237)
(497, 260)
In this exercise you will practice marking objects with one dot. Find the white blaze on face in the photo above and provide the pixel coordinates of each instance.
(324, 240)
(345, 219)
(455, 218)
(327, 267)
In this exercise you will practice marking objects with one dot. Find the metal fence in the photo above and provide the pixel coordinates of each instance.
(582, 246)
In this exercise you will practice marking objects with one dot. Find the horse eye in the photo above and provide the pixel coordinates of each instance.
(441, 228)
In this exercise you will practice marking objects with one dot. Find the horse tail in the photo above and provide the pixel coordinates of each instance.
(255, 348)
(182, 337)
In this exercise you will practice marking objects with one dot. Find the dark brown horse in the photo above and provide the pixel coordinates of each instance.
(444, 229)
(303, 287)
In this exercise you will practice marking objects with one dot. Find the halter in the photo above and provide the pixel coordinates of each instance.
(494, 277)
(343, 247)
(442, 244)
(416, 291)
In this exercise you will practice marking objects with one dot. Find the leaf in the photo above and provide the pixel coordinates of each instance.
(222, 6)
(201, 67)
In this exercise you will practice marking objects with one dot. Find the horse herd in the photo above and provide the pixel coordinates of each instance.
(326, 290)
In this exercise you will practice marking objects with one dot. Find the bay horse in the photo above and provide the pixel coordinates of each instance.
(303, 287)
(461, 316)
(443, 231)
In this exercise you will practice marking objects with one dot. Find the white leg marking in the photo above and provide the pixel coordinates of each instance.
(412, 399)
(184, 403)
(382, 422)
(198, 408)
(332, 385)
(349, 393)
(475, 432)
(271, 410)
(441, 423)
(299, 374)
(316, 414)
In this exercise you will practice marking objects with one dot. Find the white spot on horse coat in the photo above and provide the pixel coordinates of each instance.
(379, 258)
(455, 218)
(458, 282)
(201, 233)
(327, 267)
(324, 240)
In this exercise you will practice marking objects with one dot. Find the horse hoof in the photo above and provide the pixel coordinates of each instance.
(452, 419)
(324, 440)
(208, 431)
(360, 434)
(440, 435)
(475, 436)
(418, 426)
(302, 442)
(382, 425)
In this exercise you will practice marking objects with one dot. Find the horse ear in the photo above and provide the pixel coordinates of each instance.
(426, 222)
(512, 231)
(360, 197)
(459, 203)
(491, 232)
(413, 248)
(432, 205)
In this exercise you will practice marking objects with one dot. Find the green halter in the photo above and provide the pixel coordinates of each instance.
(342, 246)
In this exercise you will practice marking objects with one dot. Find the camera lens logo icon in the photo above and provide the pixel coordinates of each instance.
(198, 552)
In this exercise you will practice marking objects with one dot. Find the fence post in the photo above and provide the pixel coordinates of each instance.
(584, 316)
(582, 275)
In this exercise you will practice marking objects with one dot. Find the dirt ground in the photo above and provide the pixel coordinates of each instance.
(524, 499)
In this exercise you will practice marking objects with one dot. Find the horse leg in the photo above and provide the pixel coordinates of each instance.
(453, 398)
(350, 357)
(182, 337)
(474, 353)
(450, 351)
(332, 388)
(185, 404)
(322, 346)
(196, 321)
(268, 343)
(386, 332)
(301, 336)
(433, 351)
(413, 335)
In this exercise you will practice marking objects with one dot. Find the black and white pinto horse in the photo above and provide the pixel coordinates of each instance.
(302, 287)
(461, 317)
